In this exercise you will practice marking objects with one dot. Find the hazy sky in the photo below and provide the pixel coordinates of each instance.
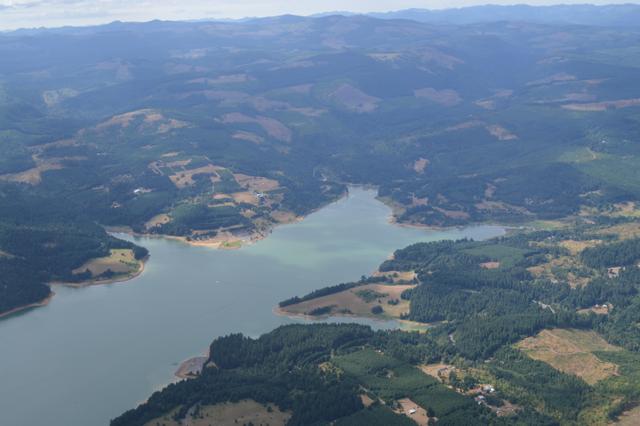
(36, 13)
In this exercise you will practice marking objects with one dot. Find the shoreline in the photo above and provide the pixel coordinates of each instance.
(83, 284)
(43, 302)
(230, 243)
(234, 243)
(221, 243)
(191, 367)
(278, 311)
(114, 280)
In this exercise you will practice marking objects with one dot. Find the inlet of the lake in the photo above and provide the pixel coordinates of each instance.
(95, 352)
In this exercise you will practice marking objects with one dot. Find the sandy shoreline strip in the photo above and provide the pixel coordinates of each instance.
(98, 281)
(82, 284)
(225, 242)
(43, 302)
(191, 367)
(228, 242)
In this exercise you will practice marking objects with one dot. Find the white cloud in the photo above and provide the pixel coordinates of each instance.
(36, 13)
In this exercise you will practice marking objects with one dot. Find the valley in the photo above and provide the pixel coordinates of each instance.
(414, 217)
(139, 331)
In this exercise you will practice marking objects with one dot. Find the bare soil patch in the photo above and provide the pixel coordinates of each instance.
(54, 97)
(624, 231)
(245, 197)
(191, 367)
(438, 371)
(464, 125)
(546, 270)
(248, 136)
(445, 97)
(490, 265)
(576, 247)
(413, 411)
(420, 165)
(366, 400)
(184, 178)
(453, 214)
(597, 309)
(284, 217)
(501, 133)
(491, 102)
(152, 120)
(385, 57)
(354, 99)
(157, 220)
(628, 418)
(33, 176)
(256, 183)
(603, 106)
(430, 55)
(556, 78)
(397, 276)
(223, 79)
(571, 351)
(271, 126)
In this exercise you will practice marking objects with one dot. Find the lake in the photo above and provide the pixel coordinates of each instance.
(95, 352)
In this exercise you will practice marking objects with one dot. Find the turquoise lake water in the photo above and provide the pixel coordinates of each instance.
(95, 352)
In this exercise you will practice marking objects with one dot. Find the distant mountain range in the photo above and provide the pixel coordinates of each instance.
(618, 15)
(583, 14)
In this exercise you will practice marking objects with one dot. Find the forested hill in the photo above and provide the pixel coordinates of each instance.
(536, 328)
(210, 129)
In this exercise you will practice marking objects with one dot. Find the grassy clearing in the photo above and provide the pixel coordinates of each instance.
(33, 176)
(623, 172)
(572, 352)
(256, 183)
(231, 244)
(438, 371)
(382, 375)
(628, 210)
(397, 276)
(245, 197)
(120, 262)
(505, 255)
(548, 225)
(576, 247)
(394, 380)
(442, 400)
(284, 217)
(599, 310)
(563, 268)
(579, 155)
(228, 414)
(364, 362)
(623, 231)
(184, 178)
(353, 99)
(157, 220)
(358, 301)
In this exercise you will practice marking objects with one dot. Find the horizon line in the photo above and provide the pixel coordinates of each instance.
(328, 13)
